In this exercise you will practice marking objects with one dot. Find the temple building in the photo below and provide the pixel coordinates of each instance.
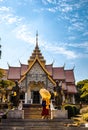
(36, 75)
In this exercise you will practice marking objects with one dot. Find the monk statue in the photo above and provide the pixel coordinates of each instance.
(58, 95)
(15, 95)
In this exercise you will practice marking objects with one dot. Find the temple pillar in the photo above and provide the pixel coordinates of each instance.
(63, 98)
(8, 97)
(3, 98)
(73, 99)
(26, 97)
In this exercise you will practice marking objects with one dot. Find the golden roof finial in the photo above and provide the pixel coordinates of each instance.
(36, 39)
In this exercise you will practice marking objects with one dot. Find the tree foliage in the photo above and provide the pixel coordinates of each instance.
(84, 90)
(5, 84)
(2, 73)
(82, 87)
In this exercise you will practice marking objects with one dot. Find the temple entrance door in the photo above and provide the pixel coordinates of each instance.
(36, 97)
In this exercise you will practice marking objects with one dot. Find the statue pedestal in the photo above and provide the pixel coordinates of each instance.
(61, 114)
(15, 114)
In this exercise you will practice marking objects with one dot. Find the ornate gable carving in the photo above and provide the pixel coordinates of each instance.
(36, 73)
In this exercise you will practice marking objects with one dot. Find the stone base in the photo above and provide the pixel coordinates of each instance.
(15, 114)
(59, 114)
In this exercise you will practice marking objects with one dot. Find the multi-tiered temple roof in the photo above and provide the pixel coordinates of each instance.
(55, 73)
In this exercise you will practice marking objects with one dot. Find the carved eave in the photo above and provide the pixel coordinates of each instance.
(42, 66)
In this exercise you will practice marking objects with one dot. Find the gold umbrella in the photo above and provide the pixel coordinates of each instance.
(45, 93)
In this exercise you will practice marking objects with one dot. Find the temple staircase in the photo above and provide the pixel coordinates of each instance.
(37, 124)
(32, 121)
(32, 111)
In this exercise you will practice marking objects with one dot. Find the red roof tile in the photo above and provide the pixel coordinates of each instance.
(14, 73)
(58, 73)
(23, 68)
(64, 86)
(71, 89)
(49, 68)
(69, 74)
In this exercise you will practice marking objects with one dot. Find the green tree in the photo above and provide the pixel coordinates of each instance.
(2, 73)
(82, 87)
(5, 85)
(84, 91)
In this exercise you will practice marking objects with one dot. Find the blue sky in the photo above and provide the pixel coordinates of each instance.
(62, 28)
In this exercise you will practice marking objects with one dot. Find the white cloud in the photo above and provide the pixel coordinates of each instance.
(76, 26)
(69, 11)
(22, 32)
(51, 1)
(63, 49)
(44, 2)
(10, 19)
(64, 7)
(72, 38)
(7, 16)
(83, 45)
(60, 50)
(5, 9)
(1, 0)
(85, 33)
(52, 10)
(70, 54)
